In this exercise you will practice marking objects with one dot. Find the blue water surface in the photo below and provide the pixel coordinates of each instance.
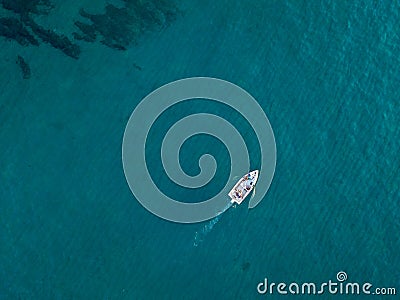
(326, 74)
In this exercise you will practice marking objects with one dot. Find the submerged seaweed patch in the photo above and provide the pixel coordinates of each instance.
(60, 42)
(13, 28)
(117, 27)
(120, 27)
(24, 7)
(25, 69)
(24, 30)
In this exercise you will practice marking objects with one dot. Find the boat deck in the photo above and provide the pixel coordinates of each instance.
(243, 187)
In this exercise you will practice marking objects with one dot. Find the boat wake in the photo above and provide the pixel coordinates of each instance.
(201, 234)
(254, 193)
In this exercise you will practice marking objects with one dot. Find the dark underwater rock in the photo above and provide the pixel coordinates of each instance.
(25, 69)
(57, 41)
(12, 28)
(137, 67)
(245, 266)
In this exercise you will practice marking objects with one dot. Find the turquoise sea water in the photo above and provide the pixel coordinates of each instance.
(327, 75)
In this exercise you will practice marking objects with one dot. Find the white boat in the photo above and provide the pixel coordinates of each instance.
(243, 187)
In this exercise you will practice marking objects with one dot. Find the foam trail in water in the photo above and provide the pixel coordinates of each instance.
(200, 235)
(254, 193)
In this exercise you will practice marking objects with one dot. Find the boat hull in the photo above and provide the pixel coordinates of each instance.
(243, 187)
